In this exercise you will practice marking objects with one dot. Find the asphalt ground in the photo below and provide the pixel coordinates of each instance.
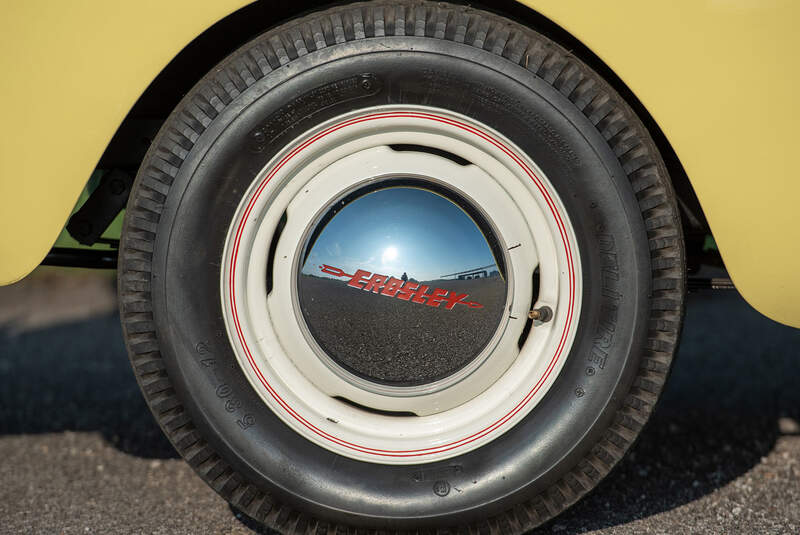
(80, 453)
(401, 342)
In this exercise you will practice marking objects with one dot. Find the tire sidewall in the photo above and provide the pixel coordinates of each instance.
(526, 459)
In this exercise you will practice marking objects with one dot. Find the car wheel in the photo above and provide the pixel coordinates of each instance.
(402, 266)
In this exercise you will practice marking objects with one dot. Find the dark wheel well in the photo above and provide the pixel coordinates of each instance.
(128, 146)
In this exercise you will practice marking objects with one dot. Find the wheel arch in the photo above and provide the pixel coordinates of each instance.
(127, 146)
(685, 89)
(219, 40)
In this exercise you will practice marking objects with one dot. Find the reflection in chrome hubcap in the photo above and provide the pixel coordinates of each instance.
(400, 285)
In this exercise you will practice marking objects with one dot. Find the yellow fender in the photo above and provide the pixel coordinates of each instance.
(717, 76)
(720, 80)
(71, 71)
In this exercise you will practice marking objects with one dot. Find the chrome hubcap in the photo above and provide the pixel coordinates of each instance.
(402, 286)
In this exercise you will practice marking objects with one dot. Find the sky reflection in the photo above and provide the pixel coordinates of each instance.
(399, 230)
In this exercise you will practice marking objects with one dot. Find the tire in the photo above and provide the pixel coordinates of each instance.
(466, 66)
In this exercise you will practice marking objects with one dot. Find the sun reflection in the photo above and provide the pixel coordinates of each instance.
(389, 254)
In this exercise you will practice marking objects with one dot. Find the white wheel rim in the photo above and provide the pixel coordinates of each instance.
(281, 363)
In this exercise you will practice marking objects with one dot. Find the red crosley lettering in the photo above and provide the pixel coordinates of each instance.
(407, 290)
(375, 283)
(419, 296)
(454, 298)
(358, 279)
(436, 298)
(392, 286)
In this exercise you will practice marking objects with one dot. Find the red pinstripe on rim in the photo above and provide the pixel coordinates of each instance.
(497, 424)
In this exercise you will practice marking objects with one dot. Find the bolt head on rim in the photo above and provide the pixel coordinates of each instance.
(378, 278)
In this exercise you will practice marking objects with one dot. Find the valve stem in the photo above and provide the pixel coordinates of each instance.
(543, 314)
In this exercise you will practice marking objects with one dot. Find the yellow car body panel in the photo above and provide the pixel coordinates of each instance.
(717, 76)
(71, 71)
(720, 79)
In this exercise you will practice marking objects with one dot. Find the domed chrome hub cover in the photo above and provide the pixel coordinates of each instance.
(402, 283)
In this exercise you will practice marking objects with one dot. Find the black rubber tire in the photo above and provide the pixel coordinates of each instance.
(595, 151)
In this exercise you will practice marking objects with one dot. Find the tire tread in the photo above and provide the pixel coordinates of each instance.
(276, 49)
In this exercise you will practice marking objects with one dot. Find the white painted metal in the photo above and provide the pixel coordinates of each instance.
(458, 413)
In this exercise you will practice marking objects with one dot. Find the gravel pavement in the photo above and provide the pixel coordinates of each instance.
(375, 335)
(80, 453)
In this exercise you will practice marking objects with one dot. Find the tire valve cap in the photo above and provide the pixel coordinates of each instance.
(543, 314)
